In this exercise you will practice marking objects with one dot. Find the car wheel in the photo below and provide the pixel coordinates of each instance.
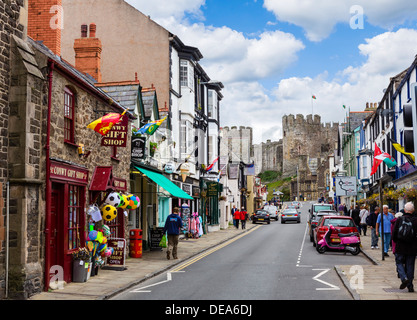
(282, 221)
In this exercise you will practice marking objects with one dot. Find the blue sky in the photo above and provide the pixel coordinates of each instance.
(272, 55)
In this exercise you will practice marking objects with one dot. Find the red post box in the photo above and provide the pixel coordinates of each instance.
(135, 243)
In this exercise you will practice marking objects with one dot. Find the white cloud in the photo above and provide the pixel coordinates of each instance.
(162, 9)
(319, 17)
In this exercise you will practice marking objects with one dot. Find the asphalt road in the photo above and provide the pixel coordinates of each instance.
(271, 262)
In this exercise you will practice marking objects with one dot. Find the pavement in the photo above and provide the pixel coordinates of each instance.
(377, 281)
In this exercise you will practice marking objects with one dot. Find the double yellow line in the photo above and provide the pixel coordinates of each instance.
(205, 254)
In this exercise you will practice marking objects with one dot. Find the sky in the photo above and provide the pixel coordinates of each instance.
(273, 55)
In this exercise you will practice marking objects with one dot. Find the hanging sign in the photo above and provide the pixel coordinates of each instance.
(138, 148)
(117, 136)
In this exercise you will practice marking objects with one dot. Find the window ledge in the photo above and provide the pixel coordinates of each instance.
(71, 144)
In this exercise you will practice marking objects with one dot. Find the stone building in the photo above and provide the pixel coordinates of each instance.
(13, 23)
(306, 136)
(268, 156)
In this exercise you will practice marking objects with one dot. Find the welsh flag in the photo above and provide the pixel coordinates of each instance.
(379, 157)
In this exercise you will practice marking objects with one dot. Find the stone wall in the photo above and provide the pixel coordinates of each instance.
(268, 156)
(306, 136)
(9, 25)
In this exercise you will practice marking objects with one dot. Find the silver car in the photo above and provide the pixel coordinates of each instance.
(273, 212)
(290, 215)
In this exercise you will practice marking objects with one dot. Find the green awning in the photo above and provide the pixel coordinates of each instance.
(165, 183)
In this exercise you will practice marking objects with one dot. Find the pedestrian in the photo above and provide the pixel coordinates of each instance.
(237, 218)
(393, 221)
(363, 215)
(340, 209)
(243, 217)
(173, 225)
(356, 219)
(233, 215)
(406, 250)
(387, 228)
(345, 210)
(371, 222)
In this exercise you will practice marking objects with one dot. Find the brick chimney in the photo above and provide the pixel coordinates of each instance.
(88, 52)
(45, 19)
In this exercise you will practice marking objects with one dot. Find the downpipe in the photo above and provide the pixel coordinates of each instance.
(7, 237)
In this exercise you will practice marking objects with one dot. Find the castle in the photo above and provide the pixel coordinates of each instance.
(303, 138)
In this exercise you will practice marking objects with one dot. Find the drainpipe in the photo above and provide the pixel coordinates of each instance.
(48, 183)
(7, 237)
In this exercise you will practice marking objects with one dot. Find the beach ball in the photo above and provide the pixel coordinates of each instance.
(106, 253)
(109, 212)
(113, 199)
(124, 202)
(92, 235)
(106, 230)
(134, 202)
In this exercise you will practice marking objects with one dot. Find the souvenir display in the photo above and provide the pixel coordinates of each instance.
(109, 212)
(113, 199)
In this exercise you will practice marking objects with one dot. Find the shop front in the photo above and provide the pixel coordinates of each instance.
(68, 185)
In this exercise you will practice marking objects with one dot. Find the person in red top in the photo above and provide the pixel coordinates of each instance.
(243, 217)
(237, 218)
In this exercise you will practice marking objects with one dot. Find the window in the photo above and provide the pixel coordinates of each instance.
(69, 127)
(187, 138)
(186, 74)
(75, 225)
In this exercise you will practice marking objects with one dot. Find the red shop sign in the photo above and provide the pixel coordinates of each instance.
(69, 173)
(117, 136)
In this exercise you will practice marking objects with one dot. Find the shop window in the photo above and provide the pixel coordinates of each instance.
(75, 226)
(69, 126)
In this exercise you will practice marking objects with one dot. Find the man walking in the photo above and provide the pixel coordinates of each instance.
(406, 246)
(371, 222)
(233, 215)
(387, 228)
(173, 225)
(236, 217)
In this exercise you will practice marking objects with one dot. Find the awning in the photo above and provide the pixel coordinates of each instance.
(165, 183)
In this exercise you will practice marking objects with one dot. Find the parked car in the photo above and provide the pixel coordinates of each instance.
(343, 224)
(273, 212)
(261, 216)
(290, 215)
(316, 207)
(315, 218)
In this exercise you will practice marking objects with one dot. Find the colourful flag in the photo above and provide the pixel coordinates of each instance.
(314, 97)
(212, 165)
(380, 157)
(106, 123)
(344, 107)
(151, 127)
(409, 156)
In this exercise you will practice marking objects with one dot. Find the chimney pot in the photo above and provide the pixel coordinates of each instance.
(93, 29)
(84, 29)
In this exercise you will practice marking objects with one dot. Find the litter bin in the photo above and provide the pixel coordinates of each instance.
(135, 243)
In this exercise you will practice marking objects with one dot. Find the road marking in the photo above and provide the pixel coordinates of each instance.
(302, 246)
(141, 290)
(205, 254)
(324, 271)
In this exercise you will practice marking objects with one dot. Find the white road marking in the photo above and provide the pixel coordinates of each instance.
(141, 290)
(324, 271)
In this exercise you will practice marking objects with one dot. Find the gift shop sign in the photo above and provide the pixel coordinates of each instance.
(117, 136)
(69, 173)
(119, 252)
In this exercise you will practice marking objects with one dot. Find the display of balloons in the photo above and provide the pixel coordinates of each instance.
(113, 199)
(92, 235)
(124, 202)
(109, 212)
(134, 202)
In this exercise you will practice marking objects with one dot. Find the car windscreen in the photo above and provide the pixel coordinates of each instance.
(317, 208)
(339, 222)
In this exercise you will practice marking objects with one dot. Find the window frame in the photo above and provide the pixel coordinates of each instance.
(69, 117)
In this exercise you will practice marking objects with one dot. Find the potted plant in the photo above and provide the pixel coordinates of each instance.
(80, 262)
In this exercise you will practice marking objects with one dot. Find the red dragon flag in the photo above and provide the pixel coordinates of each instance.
(106, 123)
(380, 157)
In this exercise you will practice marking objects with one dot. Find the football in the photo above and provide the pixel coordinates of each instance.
(109, 213)
(113, 199)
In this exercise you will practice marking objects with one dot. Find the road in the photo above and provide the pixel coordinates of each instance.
(270, 262)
